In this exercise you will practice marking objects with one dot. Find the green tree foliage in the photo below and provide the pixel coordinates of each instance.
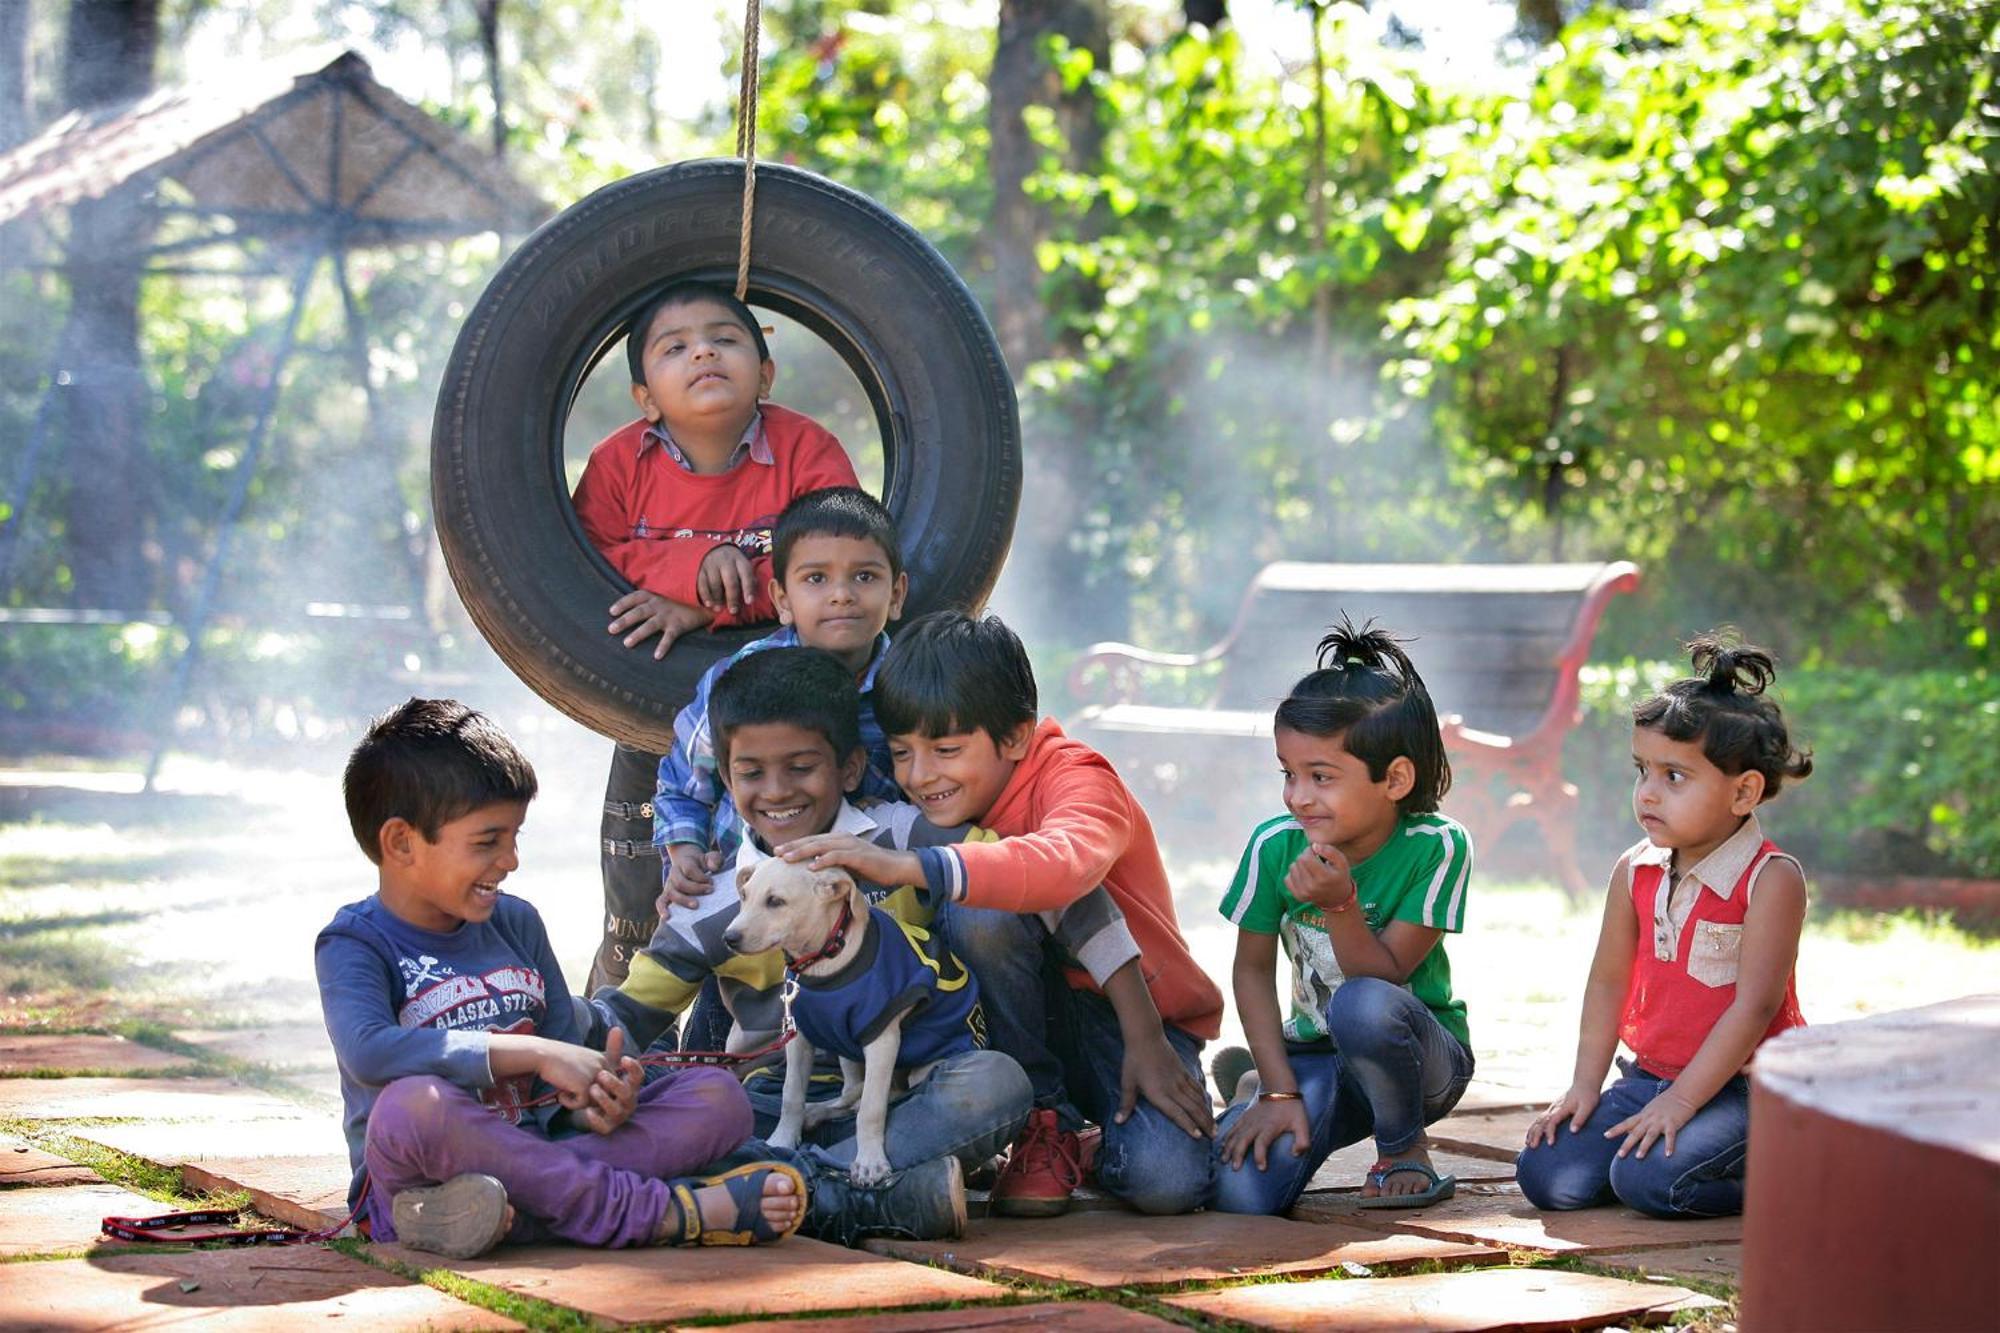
(1722, 297)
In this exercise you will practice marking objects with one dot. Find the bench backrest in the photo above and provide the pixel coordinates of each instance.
(1486, 638)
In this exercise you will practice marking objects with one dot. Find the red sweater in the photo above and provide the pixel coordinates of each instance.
(655, 521)
(1067, 823)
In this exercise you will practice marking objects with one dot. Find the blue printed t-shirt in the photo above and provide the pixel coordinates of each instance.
(900, 969)
(401, 1001)
(1418, 875)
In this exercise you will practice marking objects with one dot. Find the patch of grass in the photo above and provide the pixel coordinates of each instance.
(53, 961)
(120, 1168)
(1929, 927)
(26, 870)
(526, 1310)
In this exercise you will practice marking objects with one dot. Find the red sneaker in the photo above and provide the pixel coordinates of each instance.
(1044, 1166)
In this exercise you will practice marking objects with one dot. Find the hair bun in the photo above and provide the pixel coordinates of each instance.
(1731, 667)
(1346, 648)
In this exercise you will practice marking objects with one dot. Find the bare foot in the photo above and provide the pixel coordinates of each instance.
(1402, 1182)
(780, 1204)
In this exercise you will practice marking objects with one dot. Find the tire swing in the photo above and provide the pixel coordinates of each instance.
(854, 274)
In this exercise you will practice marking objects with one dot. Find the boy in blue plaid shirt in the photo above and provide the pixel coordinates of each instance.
(837, 581)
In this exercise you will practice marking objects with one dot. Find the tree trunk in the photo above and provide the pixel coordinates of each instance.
(1061, 453)
(16, 103)
(101, 413)
(1022, 78)
(1540, 21)
(489, 43)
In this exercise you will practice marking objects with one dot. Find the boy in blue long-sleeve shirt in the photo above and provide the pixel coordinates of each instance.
(838, 581)
(471, 1111)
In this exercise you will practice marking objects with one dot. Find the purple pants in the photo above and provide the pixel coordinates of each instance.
(593, 1189)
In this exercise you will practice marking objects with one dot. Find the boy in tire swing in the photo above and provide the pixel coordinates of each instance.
(681, 502)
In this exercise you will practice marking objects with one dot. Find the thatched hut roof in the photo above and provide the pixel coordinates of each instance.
(279, 154)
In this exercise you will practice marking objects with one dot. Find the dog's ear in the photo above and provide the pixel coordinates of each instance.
(832, 882)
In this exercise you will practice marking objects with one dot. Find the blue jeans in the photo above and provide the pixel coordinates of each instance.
(970, 1107)
(1390, 1069)
(1703, 1178)
(1069, 1044)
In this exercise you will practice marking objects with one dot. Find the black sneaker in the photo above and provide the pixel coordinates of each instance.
(460, 1219)
(925, 1202)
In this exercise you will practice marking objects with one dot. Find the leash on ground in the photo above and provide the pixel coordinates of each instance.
(150, 1230)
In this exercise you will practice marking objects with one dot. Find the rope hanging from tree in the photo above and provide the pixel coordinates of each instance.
(746, 138)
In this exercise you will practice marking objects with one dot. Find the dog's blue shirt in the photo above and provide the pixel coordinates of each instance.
(899, 969)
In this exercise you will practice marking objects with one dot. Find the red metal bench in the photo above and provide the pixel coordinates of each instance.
(1499, 646)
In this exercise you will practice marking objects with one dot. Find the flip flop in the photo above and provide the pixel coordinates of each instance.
(1441, 1187)
(746, 1190)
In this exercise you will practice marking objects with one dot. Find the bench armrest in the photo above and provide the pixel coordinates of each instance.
(1616, 577)
(1108, 673)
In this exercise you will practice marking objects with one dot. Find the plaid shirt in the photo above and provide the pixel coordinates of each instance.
(690, 804)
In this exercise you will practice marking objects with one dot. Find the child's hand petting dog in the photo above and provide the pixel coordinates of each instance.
(856, 856)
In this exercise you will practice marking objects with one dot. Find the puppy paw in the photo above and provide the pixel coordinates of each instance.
(869, 1168)
(784, 1139)
(820, 1112)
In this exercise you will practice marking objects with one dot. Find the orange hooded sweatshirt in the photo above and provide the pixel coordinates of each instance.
(1066, 823)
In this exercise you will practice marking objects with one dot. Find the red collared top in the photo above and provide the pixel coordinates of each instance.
(1690, 938)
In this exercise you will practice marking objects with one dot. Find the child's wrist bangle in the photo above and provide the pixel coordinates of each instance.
(1281, 1096)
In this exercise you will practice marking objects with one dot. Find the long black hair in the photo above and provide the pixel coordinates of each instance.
(1368, 692)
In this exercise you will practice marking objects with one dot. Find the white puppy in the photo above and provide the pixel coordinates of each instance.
(796, 909)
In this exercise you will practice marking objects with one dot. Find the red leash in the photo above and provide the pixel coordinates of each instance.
(147, 1229)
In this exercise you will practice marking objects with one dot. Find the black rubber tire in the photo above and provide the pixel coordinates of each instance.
(853, 273)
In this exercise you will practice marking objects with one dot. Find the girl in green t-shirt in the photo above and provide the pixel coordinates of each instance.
(1360, 880)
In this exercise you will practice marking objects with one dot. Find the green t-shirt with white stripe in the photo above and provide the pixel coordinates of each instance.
(1418, 875)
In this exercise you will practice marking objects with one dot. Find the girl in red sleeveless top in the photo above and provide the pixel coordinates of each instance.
(1694, 960)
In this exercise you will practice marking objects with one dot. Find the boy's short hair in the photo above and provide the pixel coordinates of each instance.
(1368, 692)
(805, 687)
(430, 761)
(1723, 705)
(686, 292)
(834, 511)
(949, 672)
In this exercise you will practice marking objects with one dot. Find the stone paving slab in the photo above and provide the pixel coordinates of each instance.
(1498, 1215)
(25, 1164)
(21, 1053)
(142, 1098)
(1067, 1316)
(1345, 1169)
(1492, 1134)
(290, 1046)
(679, 1283)
(1716, 1263)
(1490, 1299)
(309, 1192)
(1130, 1250)
(261, 1289)
(57, 1220)
(1505, 1093)
(205, 1140)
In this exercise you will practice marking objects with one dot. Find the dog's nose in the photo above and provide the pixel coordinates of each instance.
(734, 939)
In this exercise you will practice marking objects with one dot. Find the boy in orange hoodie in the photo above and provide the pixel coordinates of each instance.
(956, 698)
